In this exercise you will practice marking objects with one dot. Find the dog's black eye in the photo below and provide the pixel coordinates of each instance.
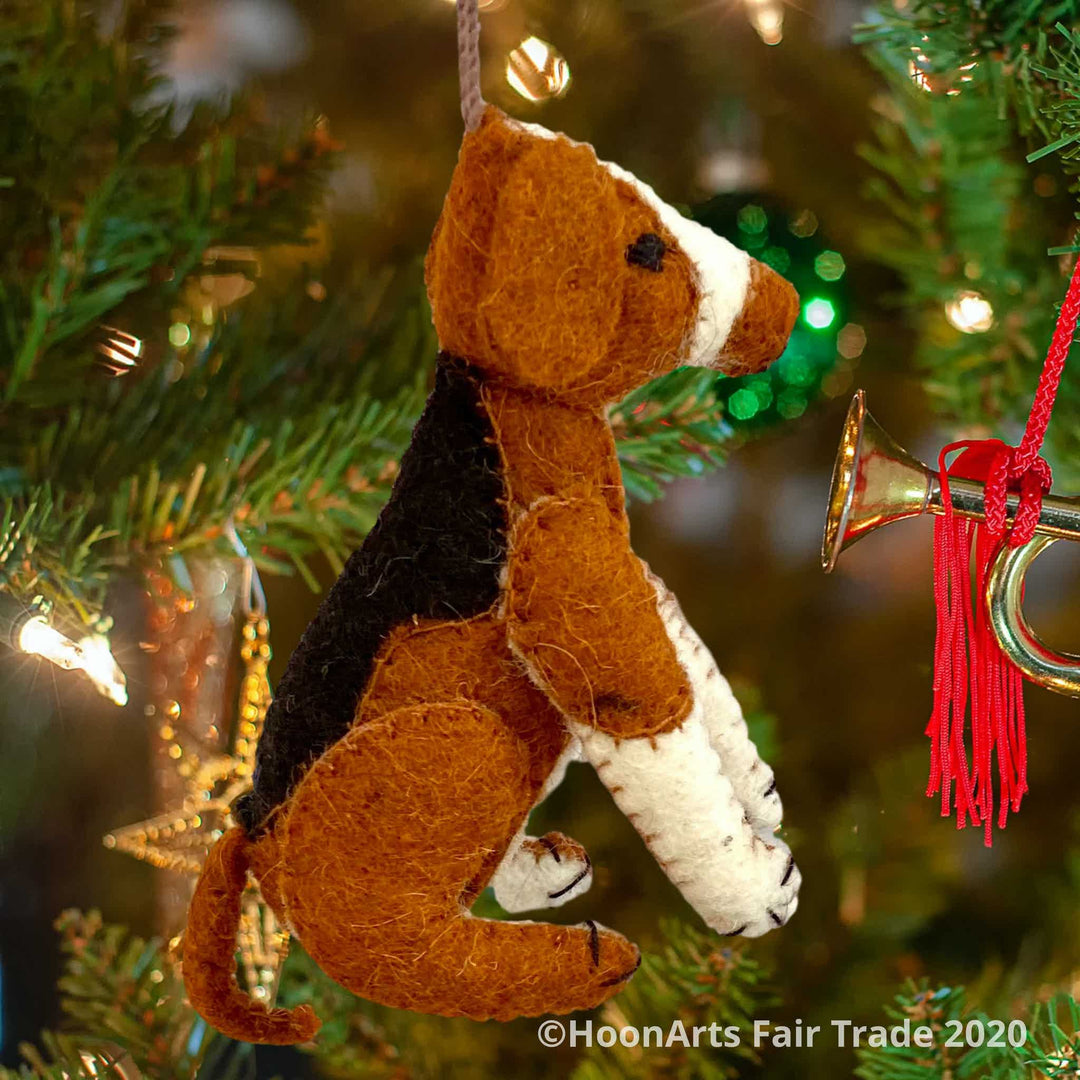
(647, 251)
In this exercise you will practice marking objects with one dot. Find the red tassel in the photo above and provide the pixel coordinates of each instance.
(969, 666)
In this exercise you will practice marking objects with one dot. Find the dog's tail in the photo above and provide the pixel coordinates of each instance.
(210, 955)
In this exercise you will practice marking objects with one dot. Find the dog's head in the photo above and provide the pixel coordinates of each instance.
(555, 271)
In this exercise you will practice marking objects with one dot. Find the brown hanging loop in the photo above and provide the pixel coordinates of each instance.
(472, 101)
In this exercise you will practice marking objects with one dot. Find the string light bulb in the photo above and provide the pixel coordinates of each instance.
(767, 18)
(119, 351)
(537, 71)
(970, 312)
(101, 668)
(38, 638)
(926, 77)
(30, 632)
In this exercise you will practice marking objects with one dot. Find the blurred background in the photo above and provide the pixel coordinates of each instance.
(751, 115)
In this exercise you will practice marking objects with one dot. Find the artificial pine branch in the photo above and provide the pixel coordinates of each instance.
(113, 209)
(123, 998)
(698, 978)
(961, 210)
(124, 1003)
(358, 1039)
(62, 1057)
(672, 427)
(953, 32)
(1051, 1049)
(107, 196)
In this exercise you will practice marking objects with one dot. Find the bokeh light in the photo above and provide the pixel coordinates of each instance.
(767, 18)
(179, 335)
(970, 312)
(119, 351)
(819, 313)
(830, 266)
(537, 71)
(820, 358)
(851, 341)
(753, 219)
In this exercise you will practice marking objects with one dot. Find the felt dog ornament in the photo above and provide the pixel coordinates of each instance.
(496, 625)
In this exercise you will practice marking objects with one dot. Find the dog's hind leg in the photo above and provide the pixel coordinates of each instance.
(544, 871)
(388, 838)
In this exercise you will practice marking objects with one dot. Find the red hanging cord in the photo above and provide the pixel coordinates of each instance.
(969, 667)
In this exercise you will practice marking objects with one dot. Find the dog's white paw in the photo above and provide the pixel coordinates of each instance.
(777, 893)
(541, 872)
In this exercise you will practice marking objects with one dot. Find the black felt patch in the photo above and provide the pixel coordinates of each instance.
(647, 251)
(435, 552)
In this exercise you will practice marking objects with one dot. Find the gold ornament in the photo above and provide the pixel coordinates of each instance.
(179, 840)
(876, 482)
(537, 71)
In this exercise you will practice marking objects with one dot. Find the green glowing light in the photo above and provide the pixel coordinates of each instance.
(819, 313)
(753, 219)
(179, 334)
(791, 405)
(743, 404)
(762, 388)
(830, 266)
(778, 258)
(796, 369)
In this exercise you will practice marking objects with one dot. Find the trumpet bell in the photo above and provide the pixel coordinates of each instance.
(875, 481)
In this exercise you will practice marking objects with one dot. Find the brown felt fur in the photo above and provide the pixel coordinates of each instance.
(381, 848)
(547, 447)
(539, 292)
(556, 843)
(583, 613)
(761, 329)
(210, 942)
(460, 777)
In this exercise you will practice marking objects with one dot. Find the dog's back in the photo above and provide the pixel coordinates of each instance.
(436, 552)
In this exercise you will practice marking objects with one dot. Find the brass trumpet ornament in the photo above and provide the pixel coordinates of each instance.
(876, 481)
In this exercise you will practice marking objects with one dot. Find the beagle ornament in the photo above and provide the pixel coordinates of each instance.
(496, 625)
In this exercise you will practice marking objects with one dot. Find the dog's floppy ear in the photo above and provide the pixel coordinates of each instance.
(457, 263)
(553, 297)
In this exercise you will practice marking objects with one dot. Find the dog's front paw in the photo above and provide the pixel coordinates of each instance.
(541, 872)
(766, 812)
(774, 895)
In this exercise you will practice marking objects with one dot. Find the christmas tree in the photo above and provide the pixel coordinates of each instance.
(214, 343)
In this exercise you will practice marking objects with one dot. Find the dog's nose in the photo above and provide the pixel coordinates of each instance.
(761, 329)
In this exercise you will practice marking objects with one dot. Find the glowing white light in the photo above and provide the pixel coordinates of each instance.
(103, 670)
(40, 639)
(919, 77)
(120, 350)
(767, 18)
(91, 656)
(537, 71)
(970, 312)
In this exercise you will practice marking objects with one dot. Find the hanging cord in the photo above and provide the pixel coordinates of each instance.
(972, 676)
(252, 594)
(468, 32)
(1024, 463)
